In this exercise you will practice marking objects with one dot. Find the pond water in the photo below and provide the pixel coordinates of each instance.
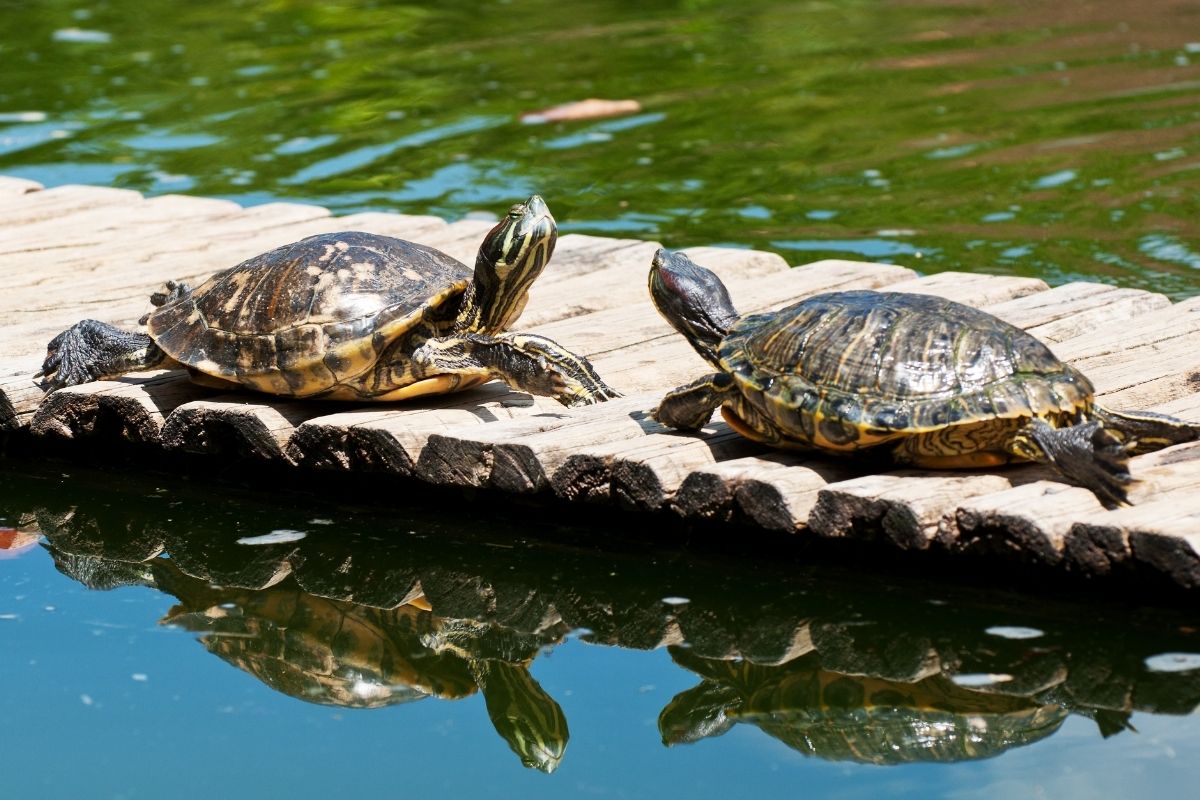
(1059, 140)
(167, 637)
(158, 643)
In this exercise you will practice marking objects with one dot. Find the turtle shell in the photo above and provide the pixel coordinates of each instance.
(303, 318)
(847, 370)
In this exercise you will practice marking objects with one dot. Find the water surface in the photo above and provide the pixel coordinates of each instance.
(1059, 140)
(159, 643)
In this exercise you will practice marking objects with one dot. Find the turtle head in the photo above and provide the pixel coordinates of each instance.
(511, 257)
(693, 300)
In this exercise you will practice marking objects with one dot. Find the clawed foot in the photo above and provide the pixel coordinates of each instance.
(1089, 456)
(67, 361)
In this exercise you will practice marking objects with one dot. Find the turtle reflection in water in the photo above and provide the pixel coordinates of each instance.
(338, 653)
(853, 718)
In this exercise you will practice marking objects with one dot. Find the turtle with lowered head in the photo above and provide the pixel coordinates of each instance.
(934, 383)
(349, 316)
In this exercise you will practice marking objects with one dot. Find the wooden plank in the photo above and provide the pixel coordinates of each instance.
(1164, 503)
(19, 395)
(88, 228)
(132, 408)
(522, 456)
(18, 186)
(24, 208)
(972, 288)
(645, 472)
(391, 438)
(1075, 309)
(909, 507)
(236, 424)
(775, 490)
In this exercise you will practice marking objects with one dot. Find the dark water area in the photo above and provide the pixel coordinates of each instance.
(179, 638)
(1056, 140)
(166, 636)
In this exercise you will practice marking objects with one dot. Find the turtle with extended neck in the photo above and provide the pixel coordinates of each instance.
(349, 316)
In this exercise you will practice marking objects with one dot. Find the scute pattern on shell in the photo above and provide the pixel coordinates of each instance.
(303, 317)
(884, 361)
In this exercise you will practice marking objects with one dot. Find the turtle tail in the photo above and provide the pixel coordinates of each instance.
(1145, 431)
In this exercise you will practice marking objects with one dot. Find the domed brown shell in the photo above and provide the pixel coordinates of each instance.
(848, 369)
(301, 318)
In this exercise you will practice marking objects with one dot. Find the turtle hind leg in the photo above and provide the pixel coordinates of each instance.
(1145, 431)
(175, 290)
(525, 362)
(92, 350)
(1086, 454)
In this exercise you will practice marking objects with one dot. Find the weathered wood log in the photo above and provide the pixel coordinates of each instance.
(1164, 516)
(521, 456)
(909, 507)
(1075, 309)
(131, 408)
(644, 473)
(19, 394)
(241, 425)
(972, 288)
(18, 186)
(390, 438)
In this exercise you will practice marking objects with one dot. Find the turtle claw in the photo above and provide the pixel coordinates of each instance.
(66, 362)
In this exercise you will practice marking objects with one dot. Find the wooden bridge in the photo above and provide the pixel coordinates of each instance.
(77, 251)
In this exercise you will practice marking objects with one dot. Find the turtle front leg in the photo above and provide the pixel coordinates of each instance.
(91, 350)
(525, 362)
(690, 407)
(1086, 454)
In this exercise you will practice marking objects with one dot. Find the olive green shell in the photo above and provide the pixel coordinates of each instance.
(302, 318)
(851, 369)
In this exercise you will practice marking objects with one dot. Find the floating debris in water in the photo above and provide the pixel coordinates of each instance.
(320, 521)
(140, 677)
(81, 35)
(1014, 632)
(86, 699)
(975, 679)
(676, 601)
(1173, 662)
(274, 537)
(591, 108)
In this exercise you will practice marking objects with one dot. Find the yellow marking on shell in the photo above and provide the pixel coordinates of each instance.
(977, 460)
(342, 246)
(271, 382)
(239, 280)
(343, 273)
(328, 254)
(207, 365)
(441, 384)
(362, 269)
(313, 270)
